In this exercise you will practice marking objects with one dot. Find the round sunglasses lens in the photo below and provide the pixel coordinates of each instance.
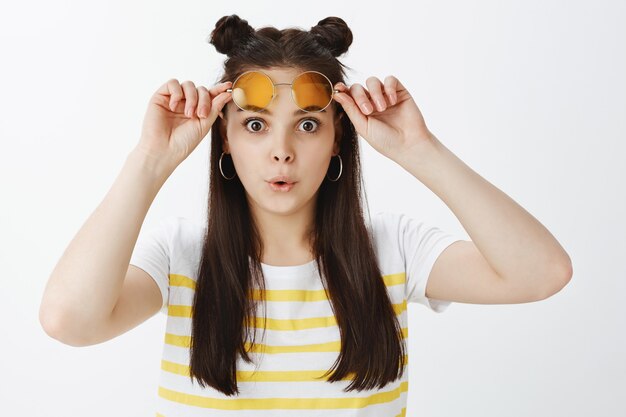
(253, 91)
(312, 91)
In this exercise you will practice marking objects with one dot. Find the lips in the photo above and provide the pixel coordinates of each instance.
(281, 179)
(282, 187)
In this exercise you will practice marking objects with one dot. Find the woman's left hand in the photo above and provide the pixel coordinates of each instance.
(392, 124)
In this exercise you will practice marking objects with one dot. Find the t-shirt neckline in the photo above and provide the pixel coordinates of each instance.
(274, 270)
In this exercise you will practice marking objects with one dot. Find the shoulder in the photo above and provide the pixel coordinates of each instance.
(387, 225)
(384, 227)
(183, 232)
(395, 234)
(186, 239)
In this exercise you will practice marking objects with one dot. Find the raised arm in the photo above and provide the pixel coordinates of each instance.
(87, 280)
(81, 296)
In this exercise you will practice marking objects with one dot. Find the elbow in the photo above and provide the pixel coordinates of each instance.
(53, 325)
(50, 324)
(558, 280)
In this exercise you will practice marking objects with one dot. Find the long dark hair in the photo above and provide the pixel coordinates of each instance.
(372, 343)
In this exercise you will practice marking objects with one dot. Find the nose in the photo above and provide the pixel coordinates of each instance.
(282, 157)
(282, 140)
(282, 149)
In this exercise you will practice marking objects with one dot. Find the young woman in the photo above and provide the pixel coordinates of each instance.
(290, 300)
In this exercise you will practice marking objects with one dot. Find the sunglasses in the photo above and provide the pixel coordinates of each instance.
(312, 91)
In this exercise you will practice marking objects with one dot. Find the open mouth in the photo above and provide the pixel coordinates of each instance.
(281, 185)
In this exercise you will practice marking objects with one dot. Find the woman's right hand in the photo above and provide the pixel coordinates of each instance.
(178, 117)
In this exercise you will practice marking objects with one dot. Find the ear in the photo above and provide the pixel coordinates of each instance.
(338, 120)
(337, 142)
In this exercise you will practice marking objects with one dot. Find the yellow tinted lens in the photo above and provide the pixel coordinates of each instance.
(253, 91)
(312, 91)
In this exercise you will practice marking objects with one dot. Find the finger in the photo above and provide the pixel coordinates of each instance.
(172, 92)
(376, 92)
(342, 87)
(360, 96)
(350, 107)
(391, 86)
(220, 101)
(217, 103)
(191, 97)
(205, 97)
(204, 102)
(218, 88)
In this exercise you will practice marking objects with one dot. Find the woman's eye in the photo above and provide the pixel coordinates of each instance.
(310, 125)
(254, 125)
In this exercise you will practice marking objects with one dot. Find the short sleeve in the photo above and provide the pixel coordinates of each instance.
(421, 244)
(152, 254)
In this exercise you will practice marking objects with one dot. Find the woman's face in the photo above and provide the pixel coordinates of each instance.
(280, 141)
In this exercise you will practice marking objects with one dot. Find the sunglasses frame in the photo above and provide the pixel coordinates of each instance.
(334, 90)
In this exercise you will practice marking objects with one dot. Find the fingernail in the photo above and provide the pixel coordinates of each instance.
(366, 107)
(380, 104)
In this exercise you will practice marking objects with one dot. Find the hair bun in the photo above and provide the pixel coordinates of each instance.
(333, 33)
(229, 32)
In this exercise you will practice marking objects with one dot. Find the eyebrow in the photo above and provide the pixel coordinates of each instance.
(295, 113)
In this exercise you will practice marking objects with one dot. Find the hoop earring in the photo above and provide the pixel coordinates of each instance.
(340, 169)
(223, 171)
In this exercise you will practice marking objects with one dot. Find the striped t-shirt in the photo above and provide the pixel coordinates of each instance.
(302, 339)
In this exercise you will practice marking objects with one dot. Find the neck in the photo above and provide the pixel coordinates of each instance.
(285, 237)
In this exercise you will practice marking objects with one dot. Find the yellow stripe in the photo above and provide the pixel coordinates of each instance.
(185, 342)
(186, 311)
(402, 413)
(178, 280)
(394, 279)
(265, 376)
(283, 403)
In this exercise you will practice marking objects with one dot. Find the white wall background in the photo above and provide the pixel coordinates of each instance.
(530, 94)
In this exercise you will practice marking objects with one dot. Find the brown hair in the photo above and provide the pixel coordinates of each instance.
(372, 343)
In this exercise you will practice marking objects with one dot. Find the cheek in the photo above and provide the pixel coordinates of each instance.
(318, 155)
(317, 164)
(244, 161)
